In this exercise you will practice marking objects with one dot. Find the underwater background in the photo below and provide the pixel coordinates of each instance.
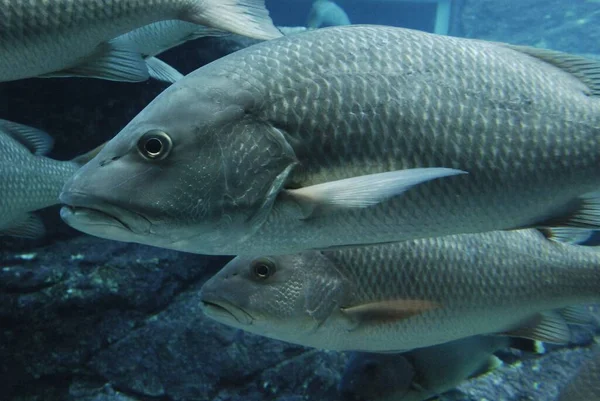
(83, 318)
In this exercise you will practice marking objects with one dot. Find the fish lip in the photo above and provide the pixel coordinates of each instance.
(102, 211)
(218, 308)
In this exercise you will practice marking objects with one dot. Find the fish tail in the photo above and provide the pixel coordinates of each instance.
(244, 17)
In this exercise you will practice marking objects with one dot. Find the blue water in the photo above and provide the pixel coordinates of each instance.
(405, 14)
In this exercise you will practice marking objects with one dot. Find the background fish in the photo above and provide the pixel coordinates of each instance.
(585, 385)
(326, 13)
(72, 37)
(408, 295)
(28, 180)
(350, 135)
(158, 37)
(422, 373)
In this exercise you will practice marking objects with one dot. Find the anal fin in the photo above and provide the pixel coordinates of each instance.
(111, 62)
(581, 213)
(29, 226)
(548, 327)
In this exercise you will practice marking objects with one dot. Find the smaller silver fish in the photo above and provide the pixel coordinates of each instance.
(326, 13)
(585, 384)
(156, 38)
(411, 294)
(422, 373)
(28, 180)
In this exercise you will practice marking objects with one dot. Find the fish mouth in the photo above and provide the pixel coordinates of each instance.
(101, 218)
(224, 311)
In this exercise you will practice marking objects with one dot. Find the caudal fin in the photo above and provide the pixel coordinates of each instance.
(244, 17)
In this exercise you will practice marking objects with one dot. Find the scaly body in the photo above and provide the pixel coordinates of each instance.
(253, 133)
(43, 37)
(28, 182)
(407, 295)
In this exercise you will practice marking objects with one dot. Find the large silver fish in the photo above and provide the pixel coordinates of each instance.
(585, 385)
(420, 374)
(410, 294)
(320, 139)
(72, 37)
(28, 180)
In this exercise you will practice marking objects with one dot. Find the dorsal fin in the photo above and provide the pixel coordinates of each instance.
(585, 69)
(35, 140)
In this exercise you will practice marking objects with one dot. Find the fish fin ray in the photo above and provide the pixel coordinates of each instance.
(30, 226)
(582, 212)
(577, 315)
(363, 191)
(384, 311)
(245, 17)
(36, 141)
(162, 71)
(111, 62)
(568, 235)
(548, 327)
(585, 69)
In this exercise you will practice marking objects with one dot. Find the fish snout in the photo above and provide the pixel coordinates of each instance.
(95, 216)
(222, 310)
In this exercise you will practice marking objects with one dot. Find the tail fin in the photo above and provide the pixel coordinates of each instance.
(244, 17)
(36, 141)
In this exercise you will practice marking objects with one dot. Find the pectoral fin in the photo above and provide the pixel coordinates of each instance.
(363, 191)
(387, 311)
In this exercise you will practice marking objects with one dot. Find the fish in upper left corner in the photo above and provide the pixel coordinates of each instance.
(62, 38)
(326, 13)
(28, 180)
(585, 384)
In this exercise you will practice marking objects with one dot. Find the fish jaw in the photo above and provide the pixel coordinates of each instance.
(102, 219)
(223, 311)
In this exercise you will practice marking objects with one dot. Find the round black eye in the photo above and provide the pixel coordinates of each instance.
(155, 145)
(263, 268)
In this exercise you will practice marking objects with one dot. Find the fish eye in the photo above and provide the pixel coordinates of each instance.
(155, 145)
(263, 268)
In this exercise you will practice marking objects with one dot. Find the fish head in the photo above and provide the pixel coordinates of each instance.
(285, 297)
(369, 376)
(194, 171)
